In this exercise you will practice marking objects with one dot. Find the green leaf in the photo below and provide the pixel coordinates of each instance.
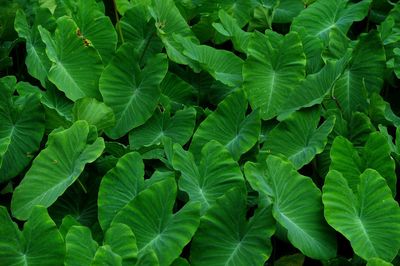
(323, 15)
(274, 66)
(230, 126)
(223, 65)
(150, 217)
(226, 238)
(365, 72)
(94, 112)
(210, 177)
(122, 242)
(40, 242)
(131, 92)
(55, 168)
(119, 186)
(297, 205)
(299, 138)
(378, 262)
(80, 246)
(76, 65)
(21, 130)
(287, 10)
(368, 217)
(95, 27)
(375, 155)
(178, 92)
(178, 127)
(106, 257)
(37, 62)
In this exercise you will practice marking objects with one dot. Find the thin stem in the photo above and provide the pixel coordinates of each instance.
(82, 186)
(117, 22)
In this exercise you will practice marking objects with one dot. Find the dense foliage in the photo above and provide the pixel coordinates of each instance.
(199, 132)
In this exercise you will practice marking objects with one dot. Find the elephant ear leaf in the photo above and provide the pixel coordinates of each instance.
(105, 256)
(156, 228)
(56, 168)
(299, 138)
(367, 217)
(131, 92)
(39, 243)
(122, 242)
(226, 238)
(230, 126)
(94, 112)
(210, 177)
(297, 205)
(76, 65)
(80, 246)
(119, 186)
(274, 66)
(21, 130)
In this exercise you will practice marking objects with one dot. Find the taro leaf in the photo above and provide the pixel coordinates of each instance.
(105, 256)
(275, 65)
(378, 262)
(368, 216)
(37, 62)
(95, 27)
(375, 155)
(131, 92)
(80, 246)
(229, 28)
(365, 71)
(287, 10)
(138, 29)
(76, 65)
(55, 168)
(122, 242)
(210, 177)
(299, 138)
(148, 258)
(226, 238)
(223, 65)
(150, 217)
(169, 21)
(230, 126)
(119, 186)
(178, 127)
(319, 18)
(67, 222)
(39, 243)
(123, 5)
(314, 88)
(94, 112)
(21, 130)
(297, 205)
(313, 48)
(178, 92)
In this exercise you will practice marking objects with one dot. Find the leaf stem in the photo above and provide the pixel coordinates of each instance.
(82, 186)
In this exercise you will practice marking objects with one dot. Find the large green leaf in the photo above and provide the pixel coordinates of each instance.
(178, 127)
(275, 65)
(364, 74)
(119, 186)
(296, 203)
(39, 243)
(105, 256)
(80, 246)
(223, 65)
(178, 92)
(21, 130)
(95, 27)
(150, 217)
(226, 238)
(323, 15)
(94, 112)
(131, 92)
(368, 216)
(138, 28)
(76, 64)
(210, 177)
(375, 154)
(123, 242)
(37, 62)
(55, 168)
(299, 138)
(230, 126)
